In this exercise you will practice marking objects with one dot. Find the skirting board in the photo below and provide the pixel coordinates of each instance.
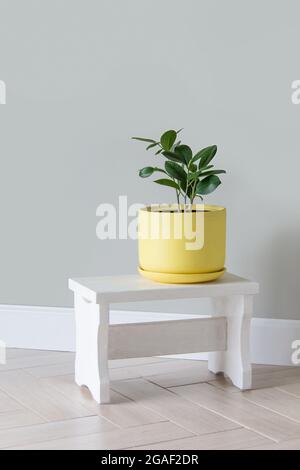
(53, 328)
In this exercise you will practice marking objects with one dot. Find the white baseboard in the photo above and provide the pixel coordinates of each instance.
(53, 328)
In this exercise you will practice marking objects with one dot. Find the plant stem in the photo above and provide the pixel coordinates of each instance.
(193, 191)
(177, 196)
(187, 182)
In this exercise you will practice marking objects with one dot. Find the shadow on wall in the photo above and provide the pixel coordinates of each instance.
(282, 275)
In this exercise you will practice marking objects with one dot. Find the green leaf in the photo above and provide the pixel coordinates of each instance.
(173, 156)
(149, 170)
(167, 139)
(199, 173)
(175, 145)
(166, 182)
(211, 172)
(206, 167)
(146, 171)
(143, 139)
(207, 155)
(192, 167)
(204, 153)
(185, 152)
(150, 146)
(195, 175)
(196, 156)
(175, 171)
(208, 185)
(158, 151)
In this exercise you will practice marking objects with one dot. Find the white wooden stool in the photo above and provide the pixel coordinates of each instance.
(225, 335)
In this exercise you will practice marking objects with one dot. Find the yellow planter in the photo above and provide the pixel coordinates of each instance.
(182, 247)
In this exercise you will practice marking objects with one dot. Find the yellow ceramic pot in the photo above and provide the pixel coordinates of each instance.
(182, 244)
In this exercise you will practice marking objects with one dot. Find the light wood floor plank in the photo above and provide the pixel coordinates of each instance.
(118, 439)
(36, 360)
(263, 377)
(195, 372)
(129, 368)
(41, 399)
(276, 400)
(17, 418)
(13, 353)
(121, 411)
(291, 444)
(236, 439)
(276, 377)
(33, 435)
(264, 369)
(237, 408)
(8, 404)
(293, 389)
(164, 405)
(52, 370)
(172, 407)
(156, 371)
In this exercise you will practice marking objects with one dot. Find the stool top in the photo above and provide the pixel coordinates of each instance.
(133, 287)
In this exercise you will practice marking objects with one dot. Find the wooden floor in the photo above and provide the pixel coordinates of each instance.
(158, 403)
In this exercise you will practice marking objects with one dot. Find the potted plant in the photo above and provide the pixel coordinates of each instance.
(182, 242)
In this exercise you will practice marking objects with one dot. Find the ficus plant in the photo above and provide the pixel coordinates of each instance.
(190, 174)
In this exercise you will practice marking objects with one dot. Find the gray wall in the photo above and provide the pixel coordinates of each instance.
(83, 76)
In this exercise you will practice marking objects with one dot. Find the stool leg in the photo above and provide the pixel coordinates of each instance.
(235, 361)
(91, 364)
(216, 360)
